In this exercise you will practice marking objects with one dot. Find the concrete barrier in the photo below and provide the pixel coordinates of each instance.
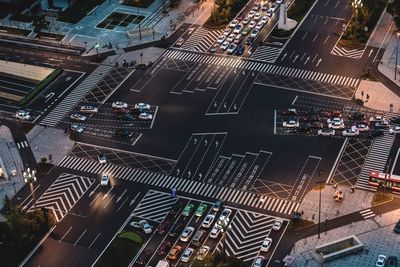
(31, 72)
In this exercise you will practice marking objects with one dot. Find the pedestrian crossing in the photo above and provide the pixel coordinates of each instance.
(263, 67)
(59, 112)
(266, 53)
(351, 53)
(155, 205)
(62, 195)
(22, 144)
(201, 40)
(376, 160)
(231, 195)
(368, 213)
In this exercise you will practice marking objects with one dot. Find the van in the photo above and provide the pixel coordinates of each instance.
(199, 238)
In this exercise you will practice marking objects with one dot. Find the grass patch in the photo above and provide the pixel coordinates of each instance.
(78, 10)
(121, 251)
(40, 87)
(17, 31)
(138, 3)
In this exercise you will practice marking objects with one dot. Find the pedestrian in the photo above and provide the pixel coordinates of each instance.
(313, 216)
(302, 212)
(326, 221)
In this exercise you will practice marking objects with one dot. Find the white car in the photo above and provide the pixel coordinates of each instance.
(145, 116)
(395, 129)
(227, 31)
(238, 38)
(102, 159)
(105, 179)
(233, 23)
(186, 234)
(221, 39)
(336, 125)
(146, 227)
(224, 46)
(259, 261)
(380, 262)
(273, 7)
(119, 105)
(351, 132)
(326, 132)
(238, 29)
(291, 123)
(215, 232)
(231, 49)
(279, 1)
(187, 254)
(265, 19)
(251, 14)
(225, 215)
(89, 109)
(252, 24)
(246, 21)
(23, 115)
(362, 127)
(259, 25)
(77, 128)
(254, 33)
(78, 117)
(231, 37)
(257, 16)
(376, 119)
(277, 225)
(208, 221)
(269, 12)
(266, 244)
(142, 106)
(202, 253)
(335, 120)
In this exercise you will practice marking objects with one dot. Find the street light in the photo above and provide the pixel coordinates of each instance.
(29, 177)
(319, 205)
(356, 4)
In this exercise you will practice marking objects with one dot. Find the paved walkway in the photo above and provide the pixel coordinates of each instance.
(387, 65)
(150, 54)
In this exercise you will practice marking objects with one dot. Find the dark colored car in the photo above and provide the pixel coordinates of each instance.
(176, 208)
(176, 229)
(316, 125)
(304, 128)
(377, 133)
(289, 112)
(136, 111)
(239, 50)
(217, 205)
(395, 120)
(334, 114)
(309, 118)
(314, 111)
(391, 261)
(164, 248)
(126, 133)
(164, 227)
(120, 110)
(356, 115)
(249, 40)
(143, 258)
(125, 117)
(382, 125)
(397, 228)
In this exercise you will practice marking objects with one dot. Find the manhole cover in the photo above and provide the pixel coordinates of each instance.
(78, 27)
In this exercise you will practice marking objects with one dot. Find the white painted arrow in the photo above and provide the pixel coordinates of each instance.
(284, 56)
(319, 61)
(120, 197)
(307, 59)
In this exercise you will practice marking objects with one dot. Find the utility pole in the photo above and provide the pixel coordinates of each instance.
(319, 205)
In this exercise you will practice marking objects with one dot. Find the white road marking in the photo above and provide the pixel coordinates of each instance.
(275, 121)
(294, 100)
(94, 240)
(59, 241)
(337, 159)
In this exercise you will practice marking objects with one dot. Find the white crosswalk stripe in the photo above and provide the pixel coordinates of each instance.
(266, 53)
(183, 185)
(155, 205)
(368, 213)
(22, 144)
(62, 195)
(266, 67)
(59, 112)
(201, 40)
(376, 160)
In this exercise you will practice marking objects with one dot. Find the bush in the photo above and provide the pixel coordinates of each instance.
(225, 12)
(78, 10)
(138, 3)
(40, 87)
(22, 17)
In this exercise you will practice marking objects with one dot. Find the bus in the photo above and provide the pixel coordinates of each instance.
(391, 181)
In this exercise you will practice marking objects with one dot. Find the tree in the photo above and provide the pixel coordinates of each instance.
(39, 23)
(6, 206)
(394, 10)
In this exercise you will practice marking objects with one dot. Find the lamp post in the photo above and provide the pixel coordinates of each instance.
(29, 177)
(356, 4)
(319, 202)
(397, 53)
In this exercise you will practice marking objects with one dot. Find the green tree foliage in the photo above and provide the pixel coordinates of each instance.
(394, 9)
(39, 23)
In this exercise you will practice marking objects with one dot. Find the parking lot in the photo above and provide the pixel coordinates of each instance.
(14, 88)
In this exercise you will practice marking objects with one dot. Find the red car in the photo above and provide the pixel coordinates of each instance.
(120, 110)
(334, 114)
(164, 248)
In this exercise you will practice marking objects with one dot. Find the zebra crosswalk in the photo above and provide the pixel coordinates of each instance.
(263, 67)
(154, 206)
(351, 53)
(376, 160)
(201, 40)
(266, 53)
(368, 213)
(62, 195)
(231, 195)
(59, 112)
(22, 144)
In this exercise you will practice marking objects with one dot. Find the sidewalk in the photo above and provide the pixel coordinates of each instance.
(150, 54)
(387, 64)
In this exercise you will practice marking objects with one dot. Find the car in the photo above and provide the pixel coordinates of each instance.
(395, 129)
(380, 262)
(314, 111)
(317, 125)
(273, 7)
(326, 132)
(180, 42)
(277, 225)
(164, 247)
(200, 210)
(177, 228)
(226, 32)
(254, 33)
(265, 19)
(396, 228)
(23, 115)
(105, 179)
(119, 105)
(233, 23)
(265, 7)
(214, 48)
(174, 252)
(309, 118)
(351, 132)
(291, 122)
(126, 133)
(279, 2)
(146, 227)
(377, 133)
(335, 119)
(164, 227)
(252, 24)
(356, 115)
(377, 118)
(266, 245)
(391, 261)
(395, 120)
(224, 45)
(142, 106)
(221, 39)
(217, 205)
(102, 159)
(187, 254)
(231, 49)
(336, 125)
(269, 12)
(187, 234)
(304, 128)
(239, 50)
(88, 109)
(125, 117)
(249, 40)
(240, 17)
(362, 127)
(145, 116)
(202, 253)
(78, 117)
(246, 21)
(257, 16)
(289, 112)
(225, 215)
(121, 111)
(259, 261)
(246, 31)
(176, 208)
(187, 210)
(215, 232)
(77, 128)
(238, 29)
(199, 237)
(208, 221)
(251, 14)
(256, 6)
(231, 37)
(143, 258)
(238, 39)
(384, 124)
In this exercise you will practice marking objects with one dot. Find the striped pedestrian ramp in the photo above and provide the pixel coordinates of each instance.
(195, 39)
(231, 195)
(376, 160)
(73, 98)
(268, 68)
(266, 53)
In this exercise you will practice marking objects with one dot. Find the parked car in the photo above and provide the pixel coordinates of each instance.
(126, 133)
(77, 128)
(119, 105)
(246, 21)
(291, 122)
(208, 221)
(187, 234)
(215, 232)
(238, 29)
(200, 210)
(277, 225)
(259, 25)
(177, 228)
(266, 245)
(252, 24)
(202, 253)
(187, 210)
(225, 214)
(146, 227)
(88, 109)
(143, 258)
(395, 129)
(214, 48)
(273, 7)
(231, 37)
(356, 115)
(257, 16)
(239, 50)
(380, 262)
(23, 115)
(78, 117)
(187, 254)
(105, 179)
(142, 106)
(145, 116)
(102, 159)
(384, 124)
(326, 132)
(251, 14)
(226, 32)
(174, 252)
(265, 19)
(362, 127)
(217, 205)
(351, 132)
(231, 49)
(289, 112)
(233, 23)
(224, 45)
(391, 261)
(259, 261)
(254, 33)
(336, 124)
